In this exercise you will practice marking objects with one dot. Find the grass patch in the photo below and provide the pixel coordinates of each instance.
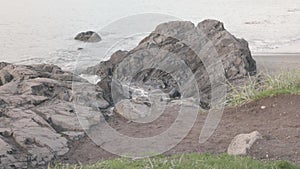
(264, 85)
(257, 87)
(185, 161)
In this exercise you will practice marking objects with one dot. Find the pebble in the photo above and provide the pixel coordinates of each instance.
(263, 107)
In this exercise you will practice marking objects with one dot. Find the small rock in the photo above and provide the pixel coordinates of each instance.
(242, 143)
(263, 107)
(88, 36)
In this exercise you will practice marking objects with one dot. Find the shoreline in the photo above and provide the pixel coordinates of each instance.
(277, 62)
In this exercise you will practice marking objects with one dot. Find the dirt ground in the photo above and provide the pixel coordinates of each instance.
(279, 123)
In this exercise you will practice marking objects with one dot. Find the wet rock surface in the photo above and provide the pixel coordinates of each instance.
(37, 116)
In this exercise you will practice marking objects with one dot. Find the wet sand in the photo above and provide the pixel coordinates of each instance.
(277, 62)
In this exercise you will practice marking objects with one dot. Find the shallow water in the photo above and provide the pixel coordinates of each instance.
(42, 31)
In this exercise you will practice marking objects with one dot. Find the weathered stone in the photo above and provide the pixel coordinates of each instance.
(74, 135)
(3, 64)
(106, 68)
(5, 77)
(88, 36)
(2, 104)
(132, 110)
(242, 143)
(37, 113)
(27, 129)
(6, 158)
(167, 59)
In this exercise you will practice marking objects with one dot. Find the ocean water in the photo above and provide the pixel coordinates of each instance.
(42, 31)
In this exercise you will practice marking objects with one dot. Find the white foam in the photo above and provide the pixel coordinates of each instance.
(93, 79)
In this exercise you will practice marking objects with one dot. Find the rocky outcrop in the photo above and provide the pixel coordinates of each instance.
(37, 118)
(88, 36)
(242, 143)
(179, 46)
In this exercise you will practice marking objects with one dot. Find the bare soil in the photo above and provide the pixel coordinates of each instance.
(279, 123)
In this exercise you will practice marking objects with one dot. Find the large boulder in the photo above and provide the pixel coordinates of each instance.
(179, 46)
(38, 119)
(88, 36)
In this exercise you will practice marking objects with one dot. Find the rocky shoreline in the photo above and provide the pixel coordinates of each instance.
(38, 121)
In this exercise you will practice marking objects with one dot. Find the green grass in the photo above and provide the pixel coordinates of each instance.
(264, 85)
(185, 161)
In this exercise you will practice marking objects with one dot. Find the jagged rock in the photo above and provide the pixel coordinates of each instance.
(5, 77)
(88, 36)
(106, 68)
(166, 59)
(242, 143)
(38, 119)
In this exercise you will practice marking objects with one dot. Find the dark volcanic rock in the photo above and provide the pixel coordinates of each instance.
(88, 36)
(180, 46)
(37, 114)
